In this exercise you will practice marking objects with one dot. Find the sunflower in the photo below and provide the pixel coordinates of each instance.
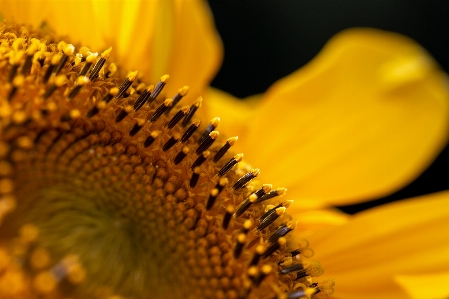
(118, 199)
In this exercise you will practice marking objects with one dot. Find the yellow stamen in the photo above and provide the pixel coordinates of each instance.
(106, 53)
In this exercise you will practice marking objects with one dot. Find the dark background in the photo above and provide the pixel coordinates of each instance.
(266, 40)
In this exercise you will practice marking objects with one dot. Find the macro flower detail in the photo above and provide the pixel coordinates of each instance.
(361, 120)
(111, 190)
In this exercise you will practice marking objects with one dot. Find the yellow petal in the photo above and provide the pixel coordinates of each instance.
(364, 118)
(310, 220)
(433, 286)
(236, 114)
(368, 256)
(21, 11)
(68, 18)
(155, 37)
(198, 50)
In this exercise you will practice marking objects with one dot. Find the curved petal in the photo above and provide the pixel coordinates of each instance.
(379, 250)
(154, 37)
(365, 117)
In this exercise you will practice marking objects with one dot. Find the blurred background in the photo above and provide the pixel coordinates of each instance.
(266, 40)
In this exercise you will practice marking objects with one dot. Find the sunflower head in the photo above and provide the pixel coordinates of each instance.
(111, 190)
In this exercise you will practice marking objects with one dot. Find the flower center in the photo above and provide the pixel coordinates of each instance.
(109, 190)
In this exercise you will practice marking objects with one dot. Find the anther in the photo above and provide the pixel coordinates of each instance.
(260, 249)
(263, 190)
(158, 88)
(195, 177)
(143, 97)
(105, 100)
(27, 65)
(304, 269)
(80, 82)
(274, 193)
(300, 293)
(97, 67)
(41, 58)
(90, 59)
(291, 269)
(253, 271)
(161, 109)
(295, 253)
(271, 216)
(140, 88)
(18, 42)
(227, 217)
(14, 60)
(286, 262)
(207, 142)
(112, 69)
(303, 249)
(212, 197)
(171, 142)
(181, 155)
(126, 84)
(265, 271)
(269, 209)
(177, 117)
(221, 184)
(246, 226)
(83, 52)
(12, 72)
(181, 93)
(294, 268)
(245, 205)
(53, 63)
(189, 132)
(314, 269)
(200, 160)
(137, 127)
(192, 111)
(228, 166)
(29, 59)
(78, 59)
(275, 246)
(58, 82)
(17, 82)
(211, 127)
(246, 179)
(222, 151)
(129, 92)
(215, 192)
(326, 287)
(73, 114)
(67, 51)
(150, 139)
(240, 242)
(282, 231)
(123, 113)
